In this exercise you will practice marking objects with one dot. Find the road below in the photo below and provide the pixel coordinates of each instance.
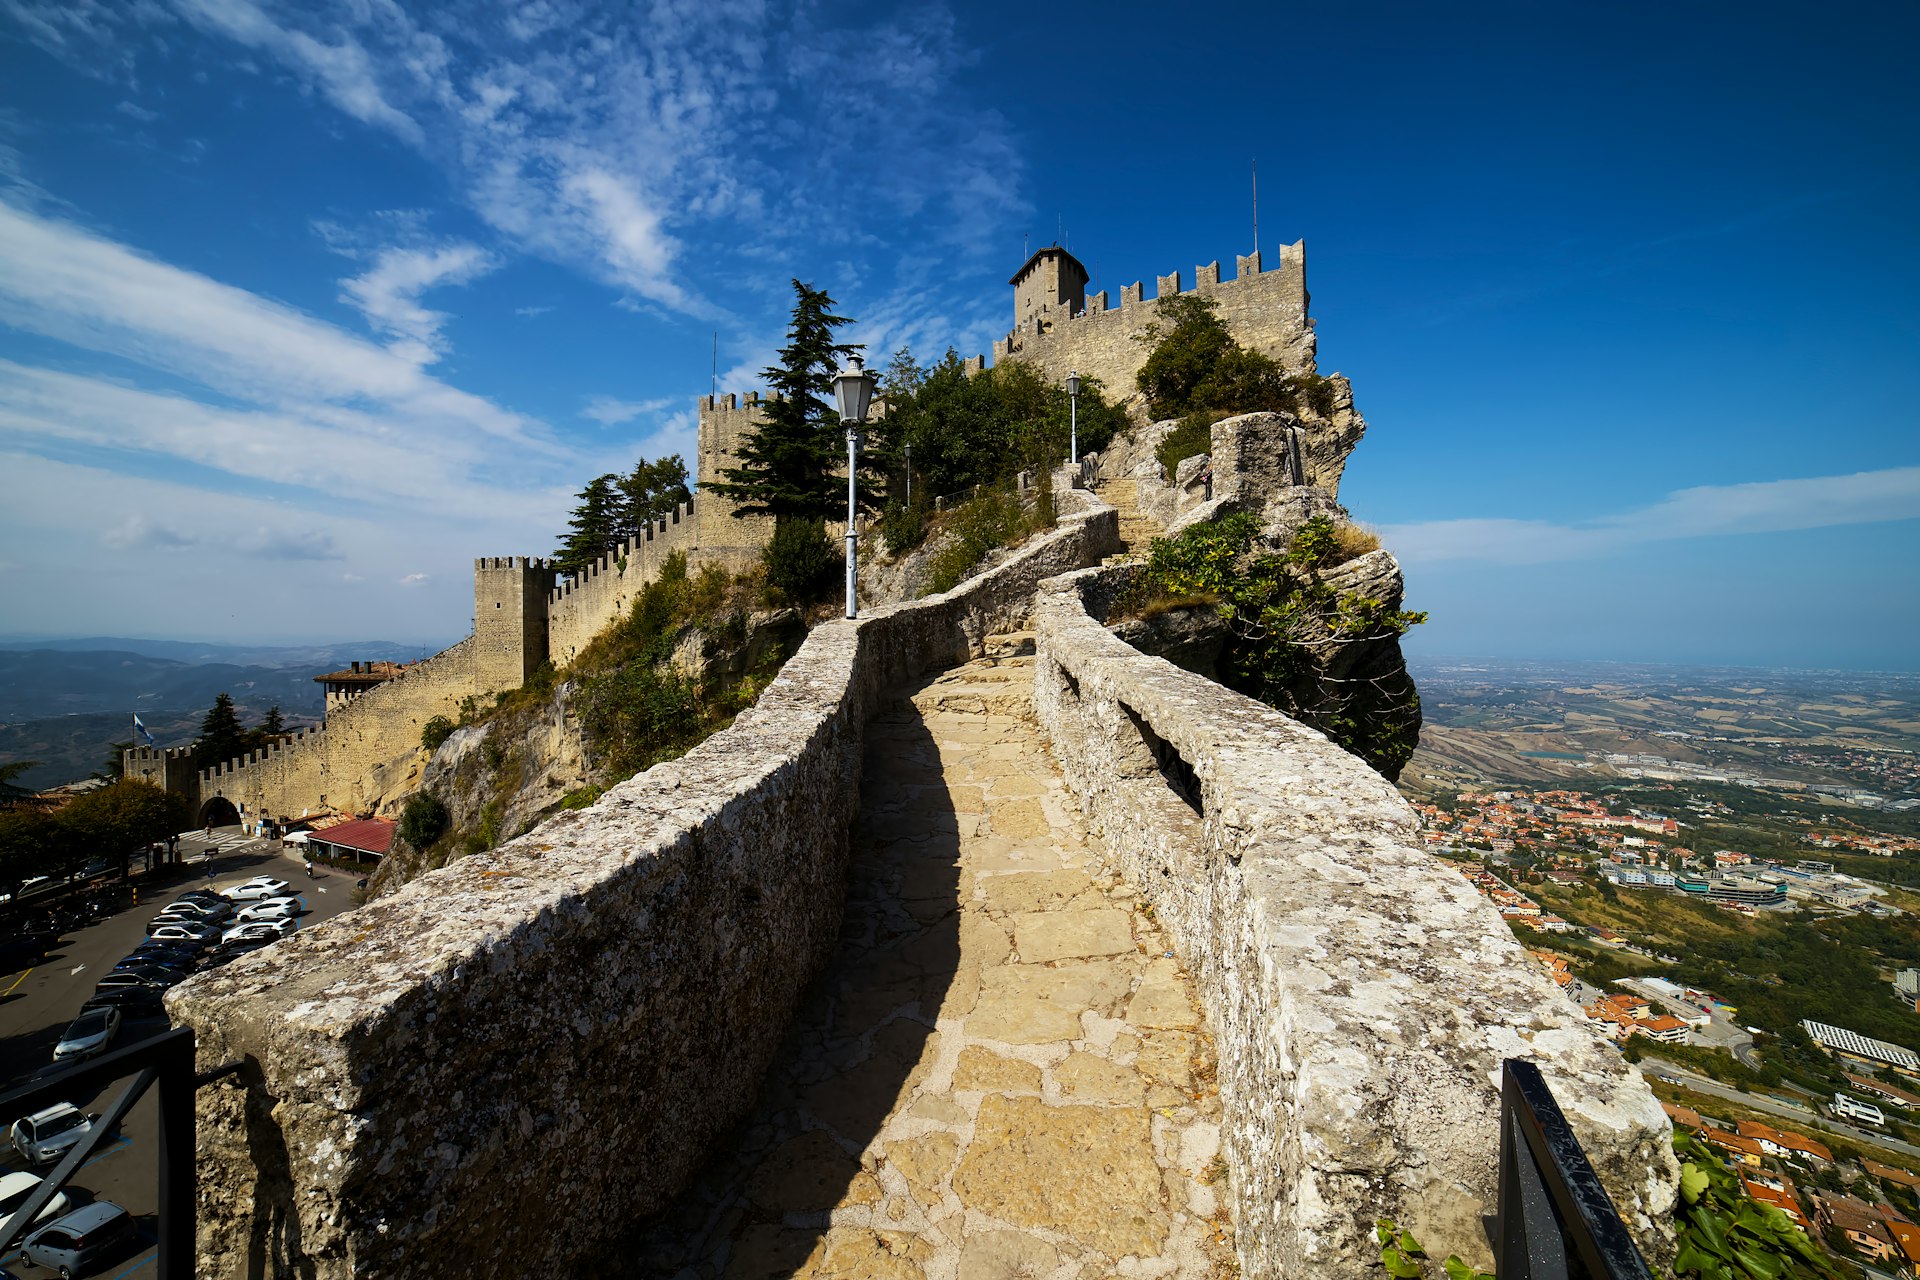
(1761, 1102)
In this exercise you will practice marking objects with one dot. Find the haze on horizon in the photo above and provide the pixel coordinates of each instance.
(305, 306)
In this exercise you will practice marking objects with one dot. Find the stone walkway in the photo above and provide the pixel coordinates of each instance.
(1003, 1072)
(1137, 529)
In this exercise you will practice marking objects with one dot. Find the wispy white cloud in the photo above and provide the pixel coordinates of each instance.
(68, 283)
(341, 69)
(609, 412)
(389, 294)
(330, 569)
(653, 152)
(301, 407)
(1770, 506)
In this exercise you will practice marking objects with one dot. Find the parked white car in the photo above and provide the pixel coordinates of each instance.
(271, 910)
(185, 931)
(257, 888)
(14, 1190)
(260, 930)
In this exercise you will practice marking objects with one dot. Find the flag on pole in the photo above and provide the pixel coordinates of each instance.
(142, 731)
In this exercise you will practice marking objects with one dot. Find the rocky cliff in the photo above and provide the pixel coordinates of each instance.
(1270, 587)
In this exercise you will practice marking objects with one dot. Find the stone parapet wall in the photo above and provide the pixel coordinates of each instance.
(509, 1062)
(1362, 995)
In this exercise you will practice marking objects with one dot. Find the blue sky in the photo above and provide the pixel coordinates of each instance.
(304, 306)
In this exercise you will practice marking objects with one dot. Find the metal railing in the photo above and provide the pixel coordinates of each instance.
(165, 1061)
(1555, 1221)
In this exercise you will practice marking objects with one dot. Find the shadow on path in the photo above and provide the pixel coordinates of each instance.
(859, 1042)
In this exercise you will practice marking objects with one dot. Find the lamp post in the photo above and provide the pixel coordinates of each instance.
(1073, 416)
(853, 390)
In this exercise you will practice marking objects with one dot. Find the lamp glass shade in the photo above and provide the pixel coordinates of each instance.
(1073, 383)
(853, 390)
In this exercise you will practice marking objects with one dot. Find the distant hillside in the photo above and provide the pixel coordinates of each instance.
(65, 702)
(321, 657)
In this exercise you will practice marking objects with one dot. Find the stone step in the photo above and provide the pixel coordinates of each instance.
(1009, 644)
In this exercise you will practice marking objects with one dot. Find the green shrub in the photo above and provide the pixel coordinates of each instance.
(1184, 353)
(801, 562)
(435, 731)
(903, 526)
(1197, 368)
(424, 820)
(638, 715)
(979, 527)
(1193, 436)
(582, 797)
(1282, 620)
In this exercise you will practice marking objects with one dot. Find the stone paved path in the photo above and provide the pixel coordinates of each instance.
(1003, 1073)
(1137, 529)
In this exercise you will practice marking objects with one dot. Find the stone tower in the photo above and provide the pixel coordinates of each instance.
(509, 620)
(1052, 281)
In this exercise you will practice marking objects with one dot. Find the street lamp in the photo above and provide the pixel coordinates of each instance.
(853, 390)
(1073, 412)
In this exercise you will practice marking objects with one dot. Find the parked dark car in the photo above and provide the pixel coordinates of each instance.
(238, 947)
(139, 976)
(139, 1001)
(23, 951)
(178, 966)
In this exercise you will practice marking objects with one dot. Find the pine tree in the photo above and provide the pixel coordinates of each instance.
(649, 493)
(593, 527)
(788, 461)
(221, 737)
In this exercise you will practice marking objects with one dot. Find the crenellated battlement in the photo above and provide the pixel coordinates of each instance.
(1064, 329)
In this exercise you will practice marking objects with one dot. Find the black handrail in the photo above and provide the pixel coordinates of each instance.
(1555, 1221)
(165, 1060)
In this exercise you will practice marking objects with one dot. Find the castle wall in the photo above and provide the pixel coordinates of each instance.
(728, 541)
(510, 596)
(1265, 310)
(523, 1053)
(333, 767)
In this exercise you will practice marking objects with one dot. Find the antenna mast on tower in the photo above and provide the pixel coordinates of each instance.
(1256, 206)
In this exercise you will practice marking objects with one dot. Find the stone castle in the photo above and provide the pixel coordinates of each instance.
(365, 753)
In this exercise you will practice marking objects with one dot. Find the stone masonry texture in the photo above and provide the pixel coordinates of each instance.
(518, 1055)
(1003, 1072)
(1361, 995)
(1265, 310)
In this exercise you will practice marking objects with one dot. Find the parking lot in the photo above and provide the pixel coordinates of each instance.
(37, 1004)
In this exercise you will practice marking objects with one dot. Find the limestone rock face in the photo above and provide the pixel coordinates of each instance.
(1190, 639)
(510, 773)
(1285, 469)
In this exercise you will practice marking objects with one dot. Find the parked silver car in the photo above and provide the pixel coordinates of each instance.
(45, 1136)
(78, 1243)
(90, 1033)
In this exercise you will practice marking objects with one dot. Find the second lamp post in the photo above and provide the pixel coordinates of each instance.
(1073, 416)
(853, 389)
